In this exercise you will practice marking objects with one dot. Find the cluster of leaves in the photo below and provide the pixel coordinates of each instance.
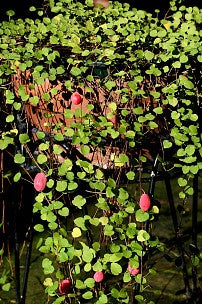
(107, 238)
(128, 65)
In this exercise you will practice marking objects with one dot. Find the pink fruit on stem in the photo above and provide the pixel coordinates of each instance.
(145, 202)
(133, 271)
(76, 98)
(40, 181)
(98, 276)
(64, 286)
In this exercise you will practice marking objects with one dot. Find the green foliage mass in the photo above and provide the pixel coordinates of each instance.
(133, 67)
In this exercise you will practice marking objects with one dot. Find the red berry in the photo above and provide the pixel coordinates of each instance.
(133, 271)
(40, 181)
(64, 286)
(145, 202)
(76, 98)
(98, 276)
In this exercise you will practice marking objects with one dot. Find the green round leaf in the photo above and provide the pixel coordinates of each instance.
(61, 185)
(85, 149)
(116, 269)
(79, 201)
(17, 177)
(10, 118)
(41, 159)
(24, 138)
(87, 295)
(39, 228)
(10, 13)
(143, 236)
(19, 159)
(141, 216)
(64, 211)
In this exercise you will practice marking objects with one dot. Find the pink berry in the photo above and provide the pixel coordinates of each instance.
(64, 286)
(145, 202)
(98, 276)
(113, 119)
(133, 271)
(40, 181)
(76, 98)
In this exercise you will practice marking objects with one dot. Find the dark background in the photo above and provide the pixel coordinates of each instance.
(21, 7)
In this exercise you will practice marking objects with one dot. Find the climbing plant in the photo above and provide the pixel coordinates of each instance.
(90, 97)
